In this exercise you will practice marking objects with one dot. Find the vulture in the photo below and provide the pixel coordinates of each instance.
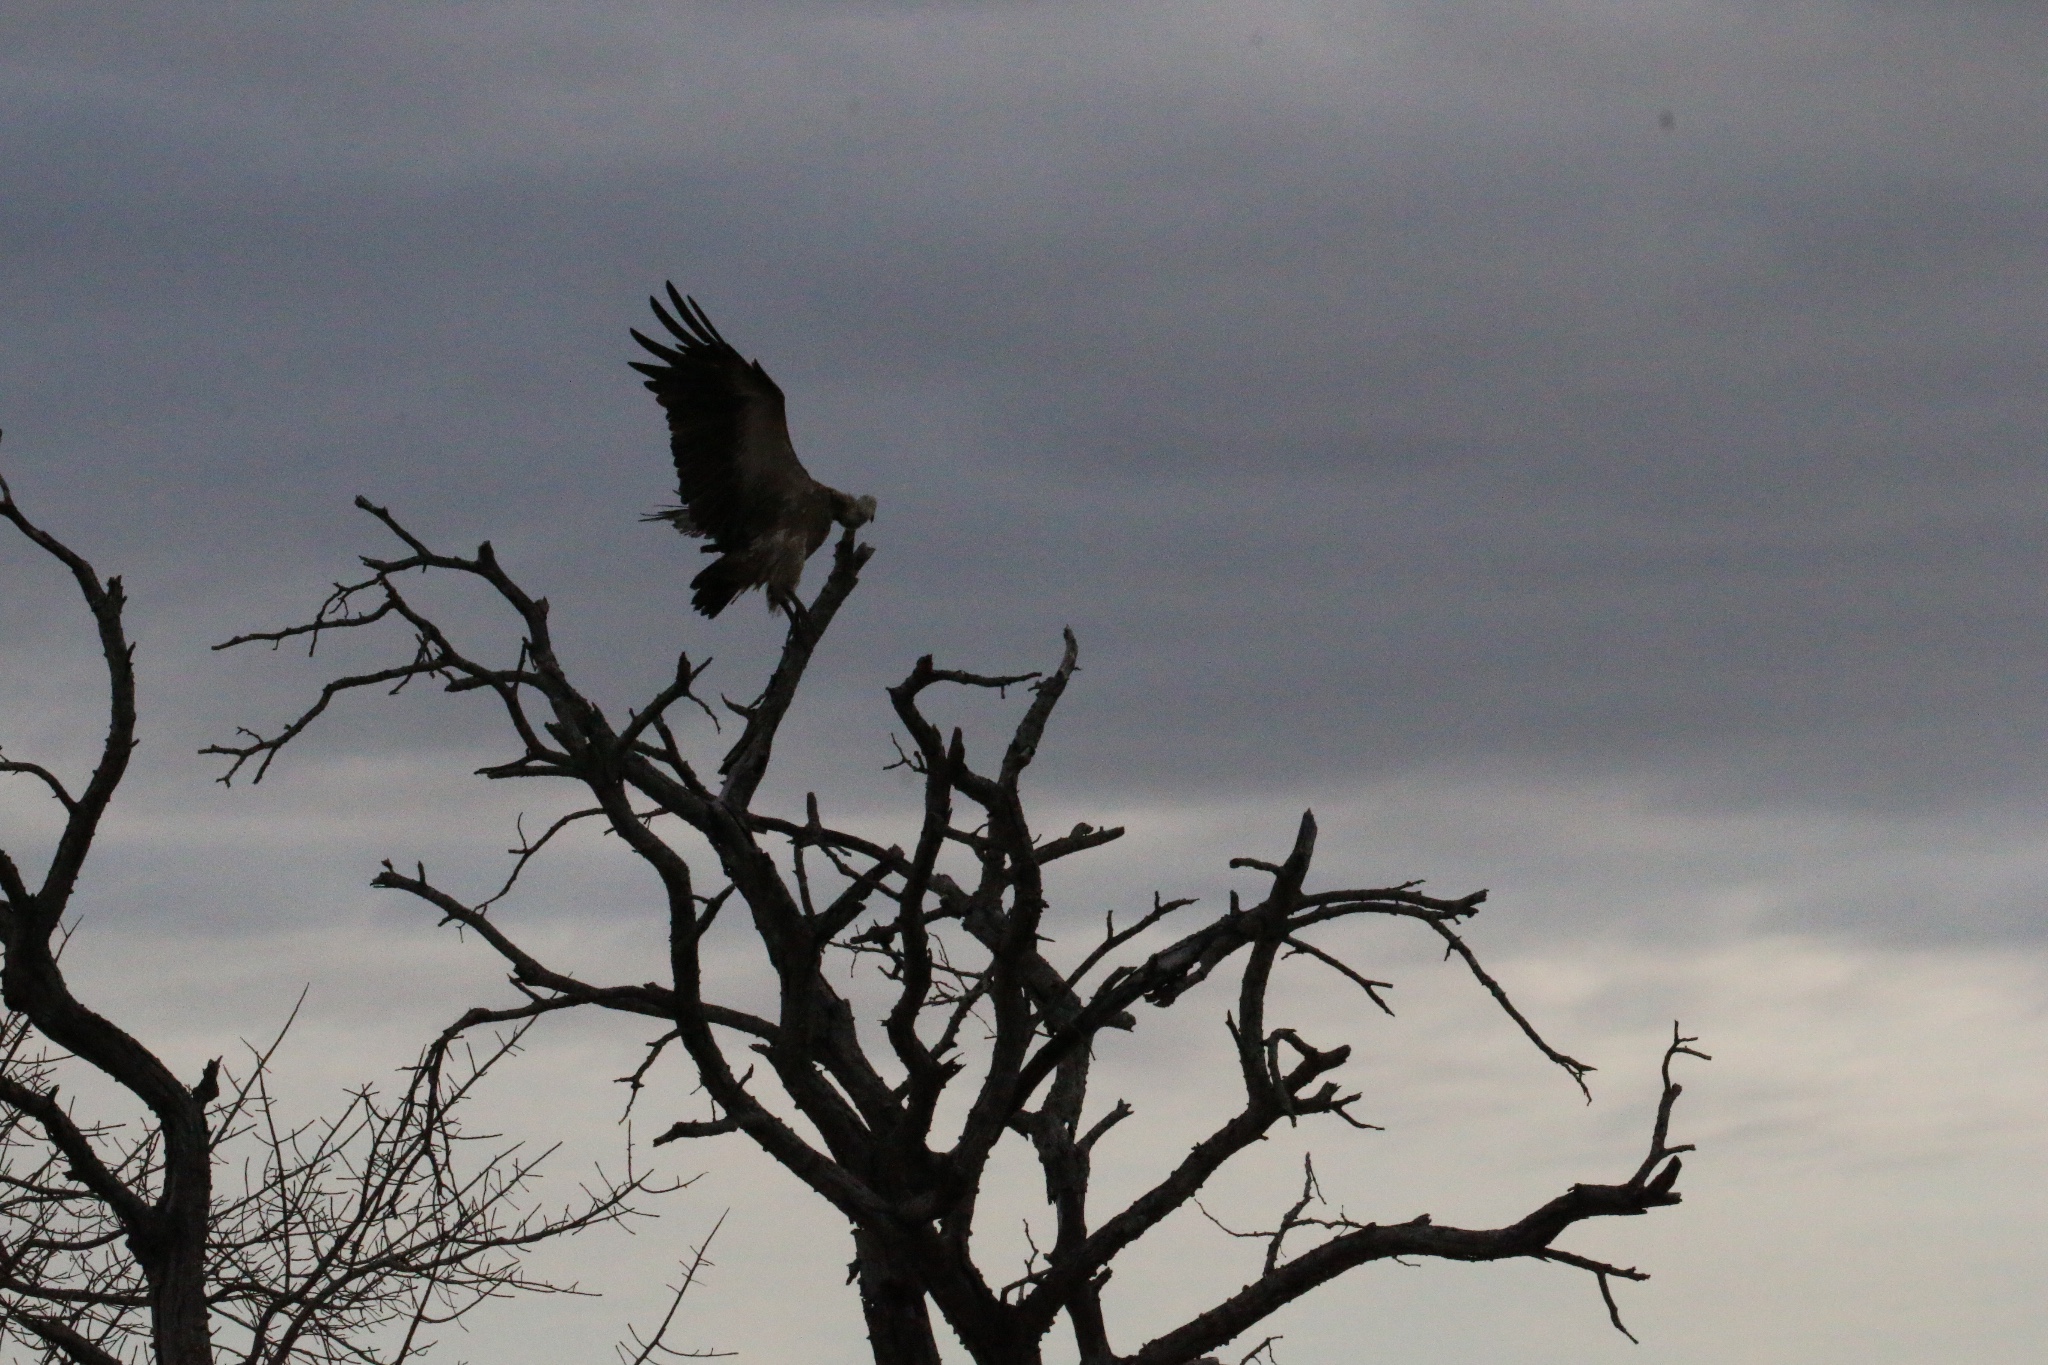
(739, 484)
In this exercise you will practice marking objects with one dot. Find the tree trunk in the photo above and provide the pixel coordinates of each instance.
(180, 1324)
(177, 1305)
(899, 1320)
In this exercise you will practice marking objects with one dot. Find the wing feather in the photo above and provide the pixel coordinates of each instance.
(728, 432)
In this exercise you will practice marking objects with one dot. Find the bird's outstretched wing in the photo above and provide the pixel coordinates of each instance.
(735, 466)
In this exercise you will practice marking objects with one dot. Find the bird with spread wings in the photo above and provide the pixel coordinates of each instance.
(739, 484)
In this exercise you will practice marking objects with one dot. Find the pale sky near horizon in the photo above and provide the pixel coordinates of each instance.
(1641, 518)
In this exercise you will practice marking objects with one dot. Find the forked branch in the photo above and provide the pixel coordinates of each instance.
(988, 1029)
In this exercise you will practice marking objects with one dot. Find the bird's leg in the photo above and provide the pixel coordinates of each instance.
(790, 605)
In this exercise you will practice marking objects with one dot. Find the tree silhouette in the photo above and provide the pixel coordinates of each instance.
(976, 1037)
(351, 1237)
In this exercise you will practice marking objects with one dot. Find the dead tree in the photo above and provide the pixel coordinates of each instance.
(348, 1238)
(892, 1115)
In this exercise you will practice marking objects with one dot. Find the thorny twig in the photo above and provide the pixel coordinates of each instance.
(699, 1262)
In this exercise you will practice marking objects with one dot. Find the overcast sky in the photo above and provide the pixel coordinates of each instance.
(1640, 516)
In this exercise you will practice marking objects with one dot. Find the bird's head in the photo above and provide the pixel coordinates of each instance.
(854, 513)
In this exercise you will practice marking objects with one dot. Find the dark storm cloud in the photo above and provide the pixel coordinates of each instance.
(1373, 387)
(1642, 522)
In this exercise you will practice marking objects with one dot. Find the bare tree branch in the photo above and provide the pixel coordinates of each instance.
(116, 1243)
(947, 927)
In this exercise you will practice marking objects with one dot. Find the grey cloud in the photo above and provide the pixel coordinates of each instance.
(1390, 392)
(1644, 524)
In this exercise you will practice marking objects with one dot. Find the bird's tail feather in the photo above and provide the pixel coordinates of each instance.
(713, 590)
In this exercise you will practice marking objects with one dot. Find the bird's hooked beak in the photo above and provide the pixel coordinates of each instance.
(860, 513)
